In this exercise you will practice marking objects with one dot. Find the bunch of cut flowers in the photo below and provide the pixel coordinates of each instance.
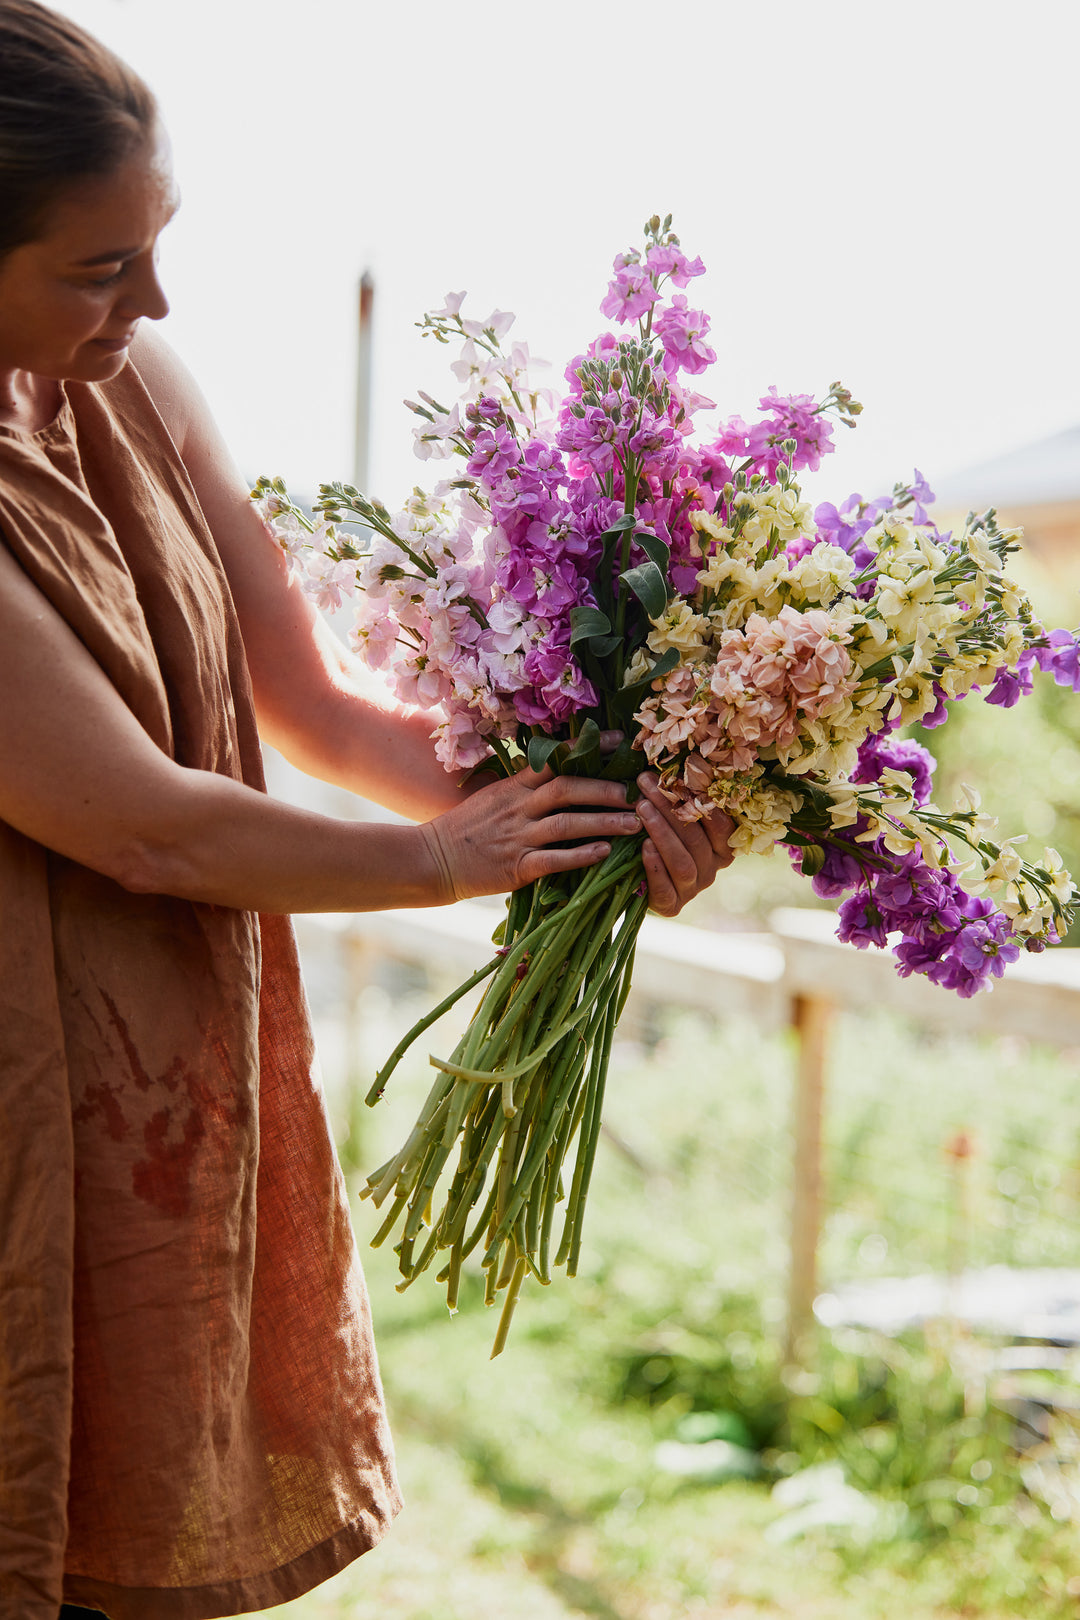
(590, 564)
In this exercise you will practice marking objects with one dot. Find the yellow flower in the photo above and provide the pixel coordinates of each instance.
(679, 627)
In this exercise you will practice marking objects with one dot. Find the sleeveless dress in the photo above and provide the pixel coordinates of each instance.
(191, 1419)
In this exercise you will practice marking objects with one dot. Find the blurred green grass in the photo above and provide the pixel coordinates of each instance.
(532, 1482)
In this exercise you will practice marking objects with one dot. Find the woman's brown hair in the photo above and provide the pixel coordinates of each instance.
(69, 109)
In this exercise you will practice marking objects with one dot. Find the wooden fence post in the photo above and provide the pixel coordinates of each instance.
(810, 1017)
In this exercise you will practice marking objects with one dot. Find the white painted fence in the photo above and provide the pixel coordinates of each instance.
(795, 976)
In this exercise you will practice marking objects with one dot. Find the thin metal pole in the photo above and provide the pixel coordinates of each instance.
(811, 1017)
(362, 442)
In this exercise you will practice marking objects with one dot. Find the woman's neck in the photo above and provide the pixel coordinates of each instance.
(28, 402)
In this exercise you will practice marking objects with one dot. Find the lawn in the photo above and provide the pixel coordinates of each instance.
(534, 1483)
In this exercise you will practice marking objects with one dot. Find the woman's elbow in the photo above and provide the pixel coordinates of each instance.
(144, 864)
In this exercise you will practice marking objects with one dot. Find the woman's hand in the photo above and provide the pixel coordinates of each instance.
(509, 833)
(680, 857)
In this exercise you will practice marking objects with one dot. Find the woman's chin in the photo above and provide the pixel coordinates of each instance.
(97, 362)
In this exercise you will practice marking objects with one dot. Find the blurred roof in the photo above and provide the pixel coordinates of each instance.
(1039, 474)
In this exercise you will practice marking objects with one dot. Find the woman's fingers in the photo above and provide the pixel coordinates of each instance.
(680, 858)
(719, 827)
(535, 823)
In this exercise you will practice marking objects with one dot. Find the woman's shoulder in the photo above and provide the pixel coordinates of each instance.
(169, 383)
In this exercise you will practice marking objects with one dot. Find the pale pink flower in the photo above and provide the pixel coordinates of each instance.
(458, 744)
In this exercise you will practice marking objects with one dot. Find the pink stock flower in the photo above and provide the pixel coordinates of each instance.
(682, 332)
(630, 294)
(458, 744)
(375, 637)
(672, 261)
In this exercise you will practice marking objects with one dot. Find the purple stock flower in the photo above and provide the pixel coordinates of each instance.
(957, 940)
(923, 497)
(1061, 658)
(591, 436)
(494, 451)
(861, 923)
(1010, 685)
(939, 713)
(880, 751)
(843, 526)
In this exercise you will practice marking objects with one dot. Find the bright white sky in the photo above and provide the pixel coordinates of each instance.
(884, 193)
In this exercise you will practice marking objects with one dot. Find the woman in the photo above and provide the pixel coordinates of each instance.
(191, 1412)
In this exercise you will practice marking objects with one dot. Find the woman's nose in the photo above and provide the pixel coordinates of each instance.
(144, 294)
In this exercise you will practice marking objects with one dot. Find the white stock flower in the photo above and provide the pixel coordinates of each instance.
(844, 810)
(903, 602)
(762, 817)
(679, 627)
(1008, 865)
(822, 576)
(638, 667)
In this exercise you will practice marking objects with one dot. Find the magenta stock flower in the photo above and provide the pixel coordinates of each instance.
(672, 261)
(682, 332)
(630, 295)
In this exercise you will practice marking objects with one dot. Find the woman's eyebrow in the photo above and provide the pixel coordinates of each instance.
(106, 258)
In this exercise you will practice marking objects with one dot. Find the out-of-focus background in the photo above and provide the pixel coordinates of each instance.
(821, 1360)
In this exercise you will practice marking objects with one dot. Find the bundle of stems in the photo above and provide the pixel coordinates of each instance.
(525, 1080)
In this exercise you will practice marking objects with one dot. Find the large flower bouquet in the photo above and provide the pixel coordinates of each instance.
(590, 565)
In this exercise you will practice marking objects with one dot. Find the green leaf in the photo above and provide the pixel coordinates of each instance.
(586, 622)
(663, 666)
(657, 550)
(541, 750)
(624, 764)
(604, 645)
(813, 860)
(649, 586)
(620, 525)
(583, 758)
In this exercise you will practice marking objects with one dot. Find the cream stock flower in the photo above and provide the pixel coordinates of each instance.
(762, 817)
(638, 667)
(978, 547)
(1052, 868)
(844, 810)
(708, 523)
(903, 602)
(1008, 865)
(773, 511)
(1025, 908)
(820, 577)
(681, 628)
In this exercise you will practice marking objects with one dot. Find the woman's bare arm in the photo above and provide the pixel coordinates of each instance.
(316, 703)
(80, 775)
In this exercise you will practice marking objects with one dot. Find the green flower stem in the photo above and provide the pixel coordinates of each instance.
(524, 1081)
(426, 1022)
(590, 1125)
(554, 1114)
(557, 979)
(512, 1292)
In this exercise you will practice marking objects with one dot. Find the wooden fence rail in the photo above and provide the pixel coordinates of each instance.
(794, 977)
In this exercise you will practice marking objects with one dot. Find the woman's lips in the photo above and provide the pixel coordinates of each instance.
(114, 345)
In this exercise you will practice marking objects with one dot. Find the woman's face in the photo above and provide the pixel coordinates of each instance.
(71, 300)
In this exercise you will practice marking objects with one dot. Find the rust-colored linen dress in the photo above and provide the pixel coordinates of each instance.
(191, 1420)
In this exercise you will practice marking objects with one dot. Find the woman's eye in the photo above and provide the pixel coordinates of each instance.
(108, 281)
